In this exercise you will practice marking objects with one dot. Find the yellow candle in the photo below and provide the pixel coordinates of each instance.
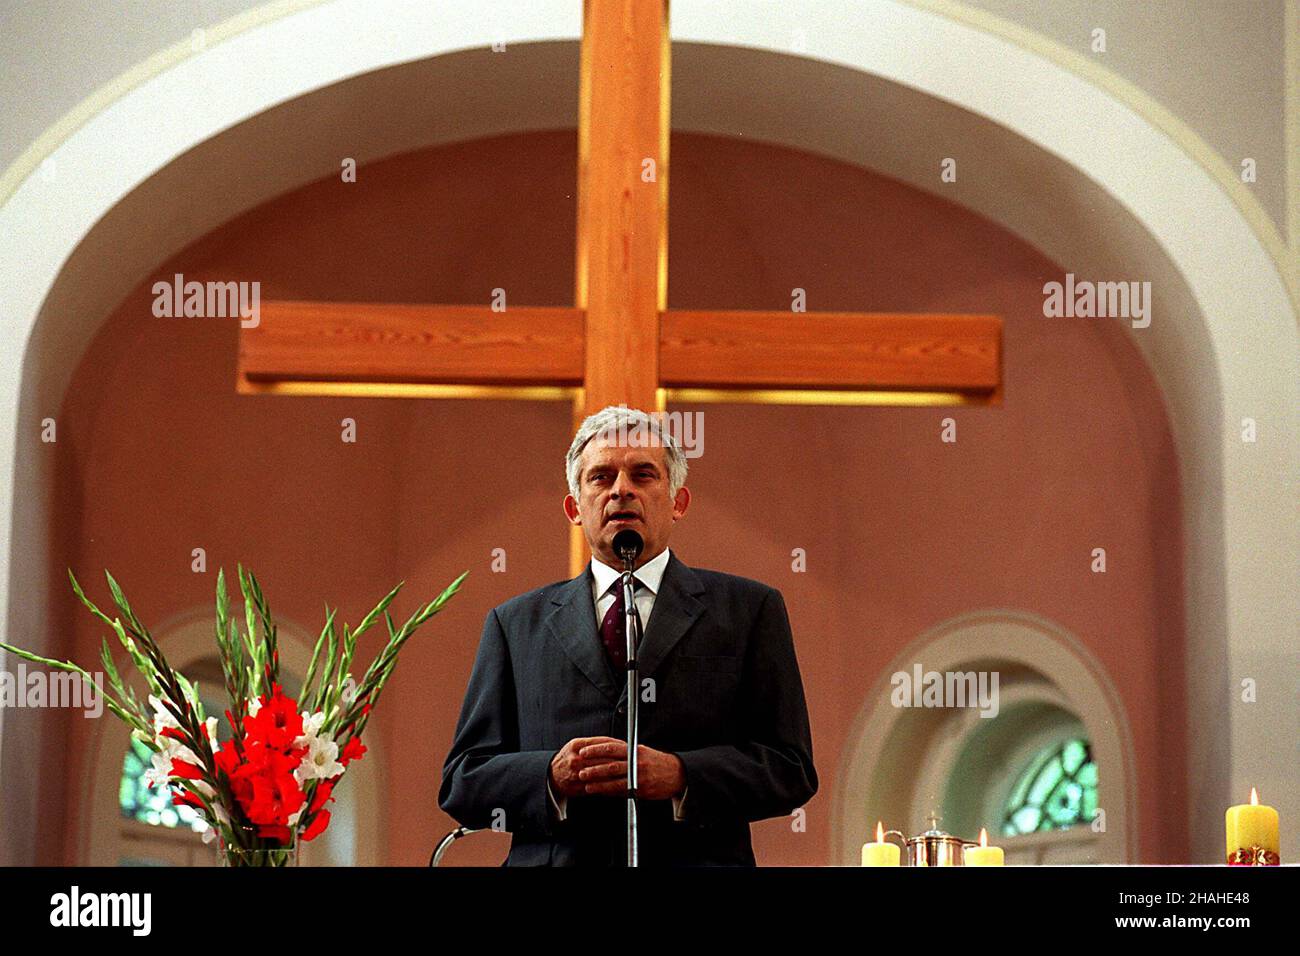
(1252, 833)
(881, 852)
(982, 855)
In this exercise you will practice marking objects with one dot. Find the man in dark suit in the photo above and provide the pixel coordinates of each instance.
(540, 747)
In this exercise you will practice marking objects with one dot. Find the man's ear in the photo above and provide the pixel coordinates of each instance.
(571, 510)
(681, 502)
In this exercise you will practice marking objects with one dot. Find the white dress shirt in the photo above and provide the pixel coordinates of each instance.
(603, 596)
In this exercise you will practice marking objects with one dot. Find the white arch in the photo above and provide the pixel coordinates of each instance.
(1223, 342)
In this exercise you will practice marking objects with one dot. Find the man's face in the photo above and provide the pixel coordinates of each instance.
(621, 486)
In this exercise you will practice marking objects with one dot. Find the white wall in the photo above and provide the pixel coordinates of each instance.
(1218, 65)
(1082, 174)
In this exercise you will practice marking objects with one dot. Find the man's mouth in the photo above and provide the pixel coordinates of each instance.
(622, 517)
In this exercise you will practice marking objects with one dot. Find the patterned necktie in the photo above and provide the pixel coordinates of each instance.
(612, 633)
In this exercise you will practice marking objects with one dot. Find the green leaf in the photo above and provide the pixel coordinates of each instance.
(122, 604)
(315, 654)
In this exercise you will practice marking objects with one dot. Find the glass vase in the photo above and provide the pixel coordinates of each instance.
(251, 850)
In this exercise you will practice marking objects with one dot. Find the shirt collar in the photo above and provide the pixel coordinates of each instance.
(649, 574)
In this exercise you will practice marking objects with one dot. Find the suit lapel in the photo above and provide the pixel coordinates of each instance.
(677, 605)
(573, 626)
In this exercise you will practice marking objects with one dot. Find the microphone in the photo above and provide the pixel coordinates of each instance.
(628, 546)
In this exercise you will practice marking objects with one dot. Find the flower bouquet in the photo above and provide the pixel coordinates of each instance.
(267, 786)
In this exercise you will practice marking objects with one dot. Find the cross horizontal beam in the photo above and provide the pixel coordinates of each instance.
(390, 343)
(829, 350)
(411, 345)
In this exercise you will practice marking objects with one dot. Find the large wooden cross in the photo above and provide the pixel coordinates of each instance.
(619, 343)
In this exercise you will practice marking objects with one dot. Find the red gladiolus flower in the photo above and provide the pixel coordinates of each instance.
(183, 768)
(272, 794)
(321, 819)
(317, 826)
(261, 771)
(180, 797)
(227, 758)
(324, 792)
(277, 723)
(352, 750)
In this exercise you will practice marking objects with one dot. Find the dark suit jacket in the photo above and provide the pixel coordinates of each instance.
(728, 701)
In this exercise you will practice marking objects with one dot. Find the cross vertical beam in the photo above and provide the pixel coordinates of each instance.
(622, 243)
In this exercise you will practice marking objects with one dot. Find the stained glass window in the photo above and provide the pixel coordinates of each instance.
(152, 806)
(1057, 790)
(135, 798)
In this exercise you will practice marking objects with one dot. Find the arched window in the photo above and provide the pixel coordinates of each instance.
(1031, 771)
(1057, 790)
(144, 804)
(153, 805)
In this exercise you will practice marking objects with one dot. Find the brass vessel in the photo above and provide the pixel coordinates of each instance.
(934, 847)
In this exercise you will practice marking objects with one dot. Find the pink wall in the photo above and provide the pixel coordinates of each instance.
(159, 456)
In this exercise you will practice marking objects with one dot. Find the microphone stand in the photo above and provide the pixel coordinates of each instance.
(630, 630)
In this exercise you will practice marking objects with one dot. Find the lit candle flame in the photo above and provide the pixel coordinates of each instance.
(880, 832)
(984, 837)
(1254, 797)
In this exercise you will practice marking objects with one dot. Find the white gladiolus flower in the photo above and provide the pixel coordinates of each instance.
(254, 705)
(311, 726)
(161, 770)
(169, 748)
(162, 717)
(321, 760)
(320, 763)
(349, 691)
(209, 831)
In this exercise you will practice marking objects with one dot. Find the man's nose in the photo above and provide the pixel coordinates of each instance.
(623, 487)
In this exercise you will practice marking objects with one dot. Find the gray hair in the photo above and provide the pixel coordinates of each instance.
(614, 423)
